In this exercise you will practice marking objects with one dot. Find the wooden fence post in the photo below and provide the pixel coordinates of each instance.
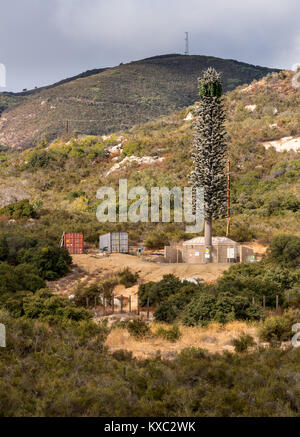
(277, 303)
(122, 303)
(87, 302)
(138, 305)
(288, 297)
(113, 303)
(130, 304)
(95, 301)
(148, 308)
(264, 302)
(253, 300)
(104, 305)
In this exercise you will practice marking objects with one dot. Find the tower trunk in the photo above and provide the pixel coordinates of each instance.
(208, 240)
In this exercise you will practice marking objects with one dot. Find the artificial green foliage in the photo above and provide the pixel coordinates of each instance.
(210, 89)
(210, 147)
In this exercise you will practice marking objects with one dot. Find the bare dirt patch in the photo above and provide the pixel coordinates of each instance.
(148, 271)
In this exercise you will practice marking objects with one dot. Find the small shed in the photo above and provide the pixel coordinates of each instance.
(224, 251)
(114, 242)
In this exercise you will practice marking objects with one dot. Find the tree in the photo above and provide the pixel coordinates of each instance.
(284, 250)
(210, 152)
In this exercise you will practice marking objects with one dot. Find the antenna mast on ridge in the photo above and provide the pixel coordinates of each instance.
(187, 50)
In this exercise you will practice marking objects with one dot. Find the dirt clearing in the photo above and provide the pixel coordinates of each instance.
(148, 271)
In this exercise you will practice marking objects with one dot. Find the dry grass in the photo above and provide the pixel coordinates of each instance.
(214, 338)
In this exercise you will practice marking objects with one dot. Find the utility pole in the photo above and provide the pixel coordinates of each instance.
(228, 197)
(187, 50)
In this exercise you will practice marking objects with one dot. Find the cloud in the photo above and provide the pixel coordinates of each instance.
(46, 41)
(260, 32)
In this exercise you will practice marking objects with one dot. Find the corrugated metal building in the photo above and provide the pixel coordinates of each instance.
(114, 242)
(224, 251)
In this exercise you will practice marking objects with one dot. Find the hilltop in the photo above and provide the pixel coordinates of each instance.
(107, 100)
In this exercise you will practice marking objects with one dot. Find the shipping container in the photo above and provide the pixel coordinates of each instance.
(114, 242)
(73, 243)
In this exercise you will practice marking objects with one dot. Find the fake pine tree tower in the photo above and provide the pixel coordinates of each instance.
(210, 152)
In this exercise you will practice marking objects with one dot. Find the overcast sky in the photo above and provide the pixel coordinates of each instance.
(43, 41)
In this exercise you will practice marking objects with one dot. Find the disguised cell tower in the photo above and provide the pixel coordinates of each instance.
(187, 50)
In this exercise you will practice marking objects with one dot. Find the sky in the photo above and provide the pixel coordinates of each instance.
(44, 41)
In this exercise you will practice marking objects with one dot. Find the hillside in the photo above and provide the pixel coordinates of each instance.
(63, 176)
(108, 100)
(209, 349)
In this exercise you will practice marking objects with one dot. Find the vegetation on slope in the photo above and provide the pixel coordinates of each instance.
(64, 370)
(61, 178)
(113, 99)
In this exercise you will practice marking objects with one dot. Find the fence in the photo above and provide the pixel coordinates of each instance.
(263, 302)
(118, 305)
(123, 305)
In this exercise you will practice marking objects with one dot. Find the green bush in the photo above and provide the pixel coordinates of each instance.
(172, 334)
(11, 244)
(243, 343)
(138, 328)
(275, 328)
(39, 159)
(279, 328)
(46, 307)
(128, 278)
(43, 306)
(252, 288)
(19, 278)
(221, 308)
(103, 288)
(156, 240)
(157, 292)
(257, 280)
(284, 250)
(51, 262)
(18, 210)
(133, 147)
(13, 302)
(171, 308)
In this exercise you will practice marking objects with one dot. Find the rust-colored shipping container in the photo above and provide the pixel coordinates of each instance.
(73, 243)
